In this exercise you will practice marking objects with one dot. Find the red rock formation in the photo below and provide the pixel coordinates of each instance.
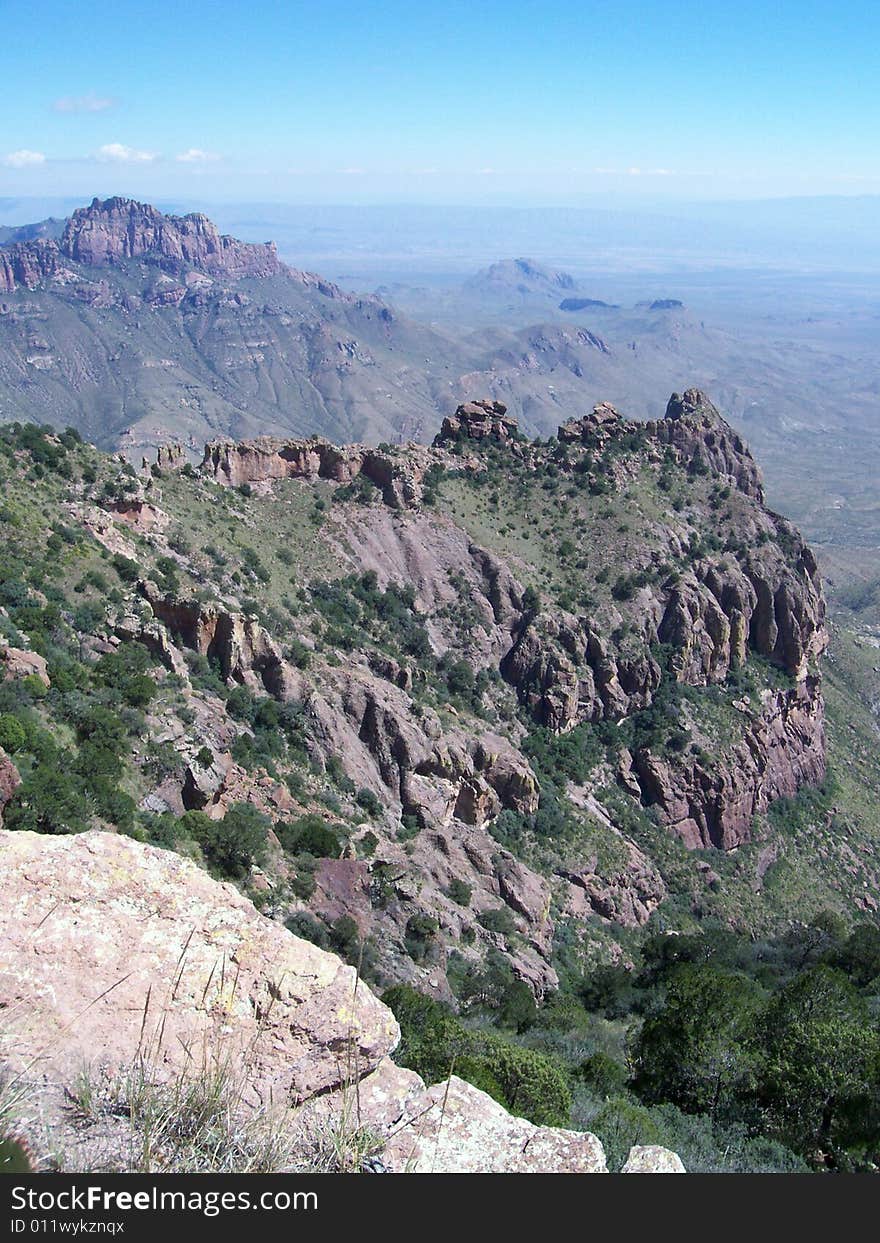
(269, 458)
(695, 429)
(477, 420)
(714, 803)
(9, 780)
(28, 264)
(599, 424)
(627, 896)
(243, 650)
(115, 229)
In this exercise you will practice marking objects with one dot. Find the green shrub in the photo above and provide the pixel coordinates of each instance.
(498, 919)
(310, 834)
(695, 1051)
(419, 936)
(369, 802)
(301, 924)
(50, 799)
(601, 1073)
(622, 1123)
(127, 569)
(12, 733)
(303, 883)
(436, 1044)
(234, 844)
(241, 704)
(459, 892)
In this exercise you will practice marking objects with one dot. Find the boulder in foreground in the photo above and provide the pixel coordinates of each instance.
(113, 954)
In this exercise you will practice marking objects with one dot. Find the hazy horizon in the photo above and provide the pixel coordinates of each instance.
(815, 234)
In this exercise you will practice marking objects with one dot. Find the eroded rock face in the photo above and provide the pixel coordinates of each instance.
(477, 420)
(10, 780)
(565, 670)
(652, 1159)
(714, 802)
(110, 948)
(628, 896)
(717, 613)
(114, 229)
(695, 430)
(28, 264)
(244, 652)
(268, 458)
(168, 457)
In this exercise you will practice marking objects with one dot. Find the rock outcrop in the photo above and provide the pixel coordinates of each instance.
(695, 430)
(115, 229)
(10, 780)
(651, 1159)
(17, 662)
(28, 264)
(628, 895)
(267, 459)
(761, 595)
(454, 1128)
(712, 801)
(592, 428)
(112, 952)
(477, 420)
(241, 648)
(113, 949)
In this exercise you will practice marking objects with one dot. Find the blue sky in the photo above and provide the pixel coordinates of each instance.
(484, 101)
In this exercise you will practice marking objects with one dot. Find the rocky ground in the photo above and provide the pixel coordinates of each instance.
(116, 955)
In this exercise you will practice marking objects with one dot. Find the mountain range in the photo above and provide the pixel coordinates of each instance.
(138, 328)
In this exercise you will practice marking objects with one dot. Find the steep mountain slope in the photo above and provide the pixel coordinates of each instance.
(489, 719)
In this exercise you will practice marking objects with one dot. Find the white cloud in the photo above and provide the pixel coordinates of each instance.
(118, 153)
(195, 155)
(352, 172)
(634, 172)
(24, 159)
(84, 103)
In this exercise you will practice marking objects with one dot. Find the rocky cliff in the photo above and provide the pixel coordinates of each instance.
(268, 459)
(28, 264)
(114, 229)
(494, 671)
(760, 596)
